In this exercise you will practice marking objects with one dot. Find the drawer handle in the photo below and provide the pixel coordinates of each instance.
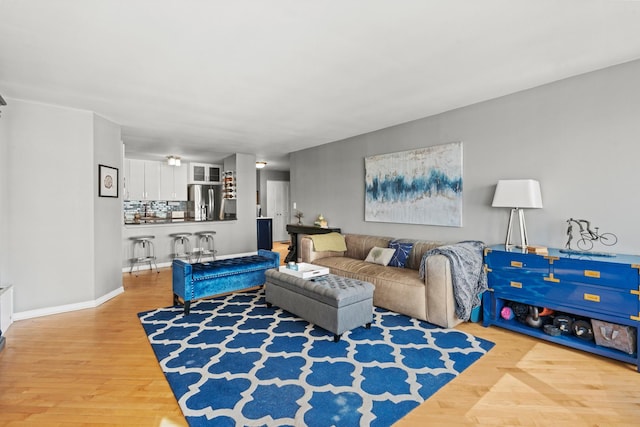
(592, 297)
(517, 264)
(516, 285)
(551, 278)
(591, 273)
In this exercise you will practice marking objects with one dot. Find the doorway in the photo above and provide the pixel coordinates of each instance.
(278, 208)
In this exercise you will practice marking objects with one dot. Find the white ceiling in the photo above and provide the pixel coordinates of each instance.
(207, 78)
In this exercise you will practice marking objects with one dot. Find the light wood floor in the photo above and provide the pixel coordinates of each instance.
(96, 367)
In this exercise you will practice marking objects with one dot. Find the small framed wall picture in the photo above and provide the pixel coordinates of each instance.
(107, 181)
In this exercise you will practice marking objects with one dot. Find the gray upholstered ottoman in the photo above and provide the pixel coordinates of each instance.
(335, 303)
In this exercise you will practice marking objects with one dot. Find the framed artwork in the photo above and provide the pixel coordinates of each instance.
(422, 186)
(107, 181)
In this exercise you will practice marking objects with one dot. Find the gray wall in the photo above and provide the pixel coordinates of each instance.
(4, 194)
(578, 137)
(243, 236)
(107, 216)
(62, 247)
(50, 209)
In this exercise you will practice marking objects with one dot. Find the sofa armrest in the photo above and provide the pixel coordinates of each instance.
(441, 309)
(309, 254)
(182, 278)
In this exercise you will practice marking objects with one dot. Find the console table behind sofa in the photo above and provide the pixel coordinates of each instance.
(295, 229)
(200, 280)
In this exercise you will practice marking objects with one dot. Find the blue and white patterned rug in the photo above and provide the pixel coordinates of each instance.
(235, 362)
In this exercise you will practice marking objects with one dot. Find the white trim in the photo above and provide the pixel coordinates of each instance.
(68, 307)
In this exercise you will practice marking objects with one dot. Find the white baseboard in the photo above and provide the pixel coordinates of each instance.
(95, 303)
(29, 314)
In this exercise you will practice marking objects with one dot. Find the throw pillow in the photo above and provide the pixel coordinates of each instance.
(380, 256)
(399, 258)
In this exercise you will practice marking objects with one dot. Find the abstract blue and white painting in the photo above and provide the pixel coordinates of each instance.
(422, 186)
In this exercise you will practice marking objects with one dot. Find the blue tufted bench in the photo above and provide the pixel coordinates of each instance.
(204, 279)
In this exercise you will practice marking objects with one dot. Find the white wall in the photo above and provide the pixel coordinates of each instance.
(578, 137)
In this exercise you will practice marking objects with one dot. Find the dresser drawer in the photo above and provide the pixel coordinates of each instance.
(620, 276)
(519, 288)
(517, 263)
(596, 299)
(600, 299)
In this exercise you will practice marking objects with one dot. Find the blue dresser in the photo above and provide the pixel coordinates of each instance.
(594, 287)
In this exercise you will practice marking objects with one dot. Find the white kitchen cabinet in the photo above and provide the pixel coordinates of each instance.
(180, 181)
(173, 182)
(204, 173)
(152, 180)
(142, 180)
(134, 179)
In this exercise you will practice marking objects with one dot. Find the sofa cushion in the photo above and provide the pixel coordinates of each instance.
(397, 289)
(380, 256)
(374, 272)
(359, 245)
(400, 254)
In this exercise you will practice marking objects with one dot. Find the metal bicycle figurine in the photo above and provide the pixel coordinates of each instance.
(588, 236)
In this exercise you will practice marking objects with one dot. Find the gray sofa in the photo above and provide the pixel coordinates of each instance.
(396, 289)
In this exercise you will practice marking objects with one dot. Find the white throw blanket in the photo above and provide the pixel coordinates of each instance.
(467, 273)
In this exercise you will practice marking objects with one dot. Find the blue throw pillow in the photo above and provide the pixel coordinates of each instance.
(402, 253)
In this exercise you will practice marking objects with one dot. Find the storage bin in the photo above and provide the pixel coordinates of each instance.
(620, 337)
(476, 312)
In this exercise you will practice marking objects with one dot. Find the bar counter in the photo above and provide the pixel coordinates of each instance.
(163, 242)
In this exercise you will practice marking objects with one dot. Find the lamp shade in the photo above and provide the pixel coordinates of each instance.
(517, 193)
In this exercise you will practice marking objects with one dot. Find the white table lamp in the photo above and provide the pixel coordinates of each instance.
(517, 194)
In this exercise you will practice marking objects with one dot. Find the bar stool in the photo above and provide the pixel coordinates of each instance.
(181, 241)
(143, 252)
(206, 245)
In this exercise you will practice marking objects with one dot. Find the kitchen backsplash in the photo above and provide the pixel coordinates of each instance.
(158, 208)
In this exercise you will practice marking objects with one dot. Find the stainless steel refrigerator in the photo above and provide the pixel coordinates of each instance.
(205, 202)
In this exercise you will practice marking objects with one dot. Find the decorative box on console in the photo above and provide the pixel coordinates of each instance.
(305, 270)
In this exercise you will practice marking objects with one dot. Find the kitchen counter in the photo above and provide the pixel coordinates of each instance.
(160, 221)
